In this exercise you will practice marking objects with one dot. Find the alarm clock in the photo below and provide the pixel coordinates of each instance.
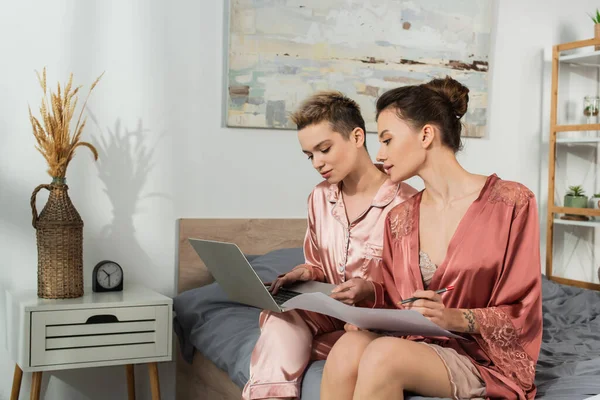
(107, 277)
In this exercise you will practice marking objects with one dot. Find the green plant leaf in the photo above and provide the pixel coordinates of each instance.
(576, 191)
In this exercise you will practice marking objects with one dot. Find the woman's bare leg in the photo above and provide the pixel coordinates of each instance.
(341, 367)
(389, 366)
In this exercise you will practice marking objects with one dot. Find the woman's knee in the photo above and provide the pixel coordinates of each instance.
(287, 323)
(376, 362)
(345, 355)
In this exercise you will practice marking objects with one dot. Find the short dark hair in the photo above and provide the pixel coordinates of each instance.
(340, 111)
(442, 102)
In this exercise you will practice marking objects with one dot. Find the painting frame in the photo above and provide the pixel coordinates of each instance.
(265, 83)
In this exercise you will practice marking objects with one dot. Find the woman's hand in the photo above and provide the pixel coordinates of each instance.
(431, 306)
(354, 291)
(295, 275)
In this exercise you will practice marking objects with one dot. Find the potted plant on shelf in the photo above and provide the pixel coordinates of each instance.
(576, 198)
(596, 19)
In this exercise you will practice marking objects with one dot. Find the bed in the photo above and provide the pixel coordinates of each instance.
(216, 336)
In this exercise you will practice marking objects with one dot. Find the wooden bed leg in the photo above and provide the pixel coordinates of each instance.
(130, 382)
(36, 385)
(154, 384)
(16, 385)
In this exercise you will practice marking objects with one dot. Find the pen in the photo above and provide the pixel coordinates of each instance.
(444, 290)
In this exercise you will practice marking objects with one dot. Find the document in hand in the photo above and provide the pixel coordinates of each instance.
(400, 322)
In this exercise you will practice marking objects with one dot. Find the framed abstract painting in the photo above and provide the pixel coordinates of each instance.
(280, 52)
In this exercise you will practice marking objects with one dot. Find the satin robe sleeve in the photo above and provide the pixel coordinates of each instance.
(511, 325)
(312, 259)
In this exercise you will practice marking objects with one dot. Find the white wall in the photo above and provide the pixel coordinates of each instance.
(158, 111)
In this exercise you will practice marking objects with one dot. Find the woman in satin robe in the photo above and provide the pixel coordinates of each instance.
(477, 233)
(343, 243)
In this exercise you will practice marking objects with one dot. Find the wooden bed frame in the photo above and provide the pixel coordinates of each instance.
(203, 379)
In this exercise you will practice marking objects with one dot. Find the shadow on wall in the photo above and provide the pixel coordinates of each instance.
(125, 159)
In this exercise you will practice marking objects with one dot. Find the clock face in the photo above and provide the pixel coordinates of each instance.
(109, 275)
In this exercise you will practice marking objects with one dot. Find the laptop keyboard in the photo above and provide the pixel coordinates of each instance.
(284, 295)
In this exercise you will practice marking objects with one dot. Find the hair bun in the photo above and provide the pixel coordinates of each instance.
(452, 90)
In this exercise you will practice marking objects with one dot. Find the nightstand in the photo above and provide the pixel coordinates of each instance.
(99, 329)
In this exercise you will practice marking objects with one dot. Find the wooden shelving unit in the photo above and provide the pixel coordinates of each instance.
(577, 140)
(591, 58)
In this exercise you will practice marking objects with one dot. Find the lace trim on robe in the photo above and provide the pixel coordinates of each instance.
(500, 340)
(510, 193)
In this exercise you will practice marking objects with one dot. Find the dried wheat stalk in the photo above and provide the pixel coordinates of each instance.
(53, 133)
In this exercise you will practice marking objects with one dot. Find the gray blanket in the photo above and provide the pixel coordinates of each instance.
(225, 332)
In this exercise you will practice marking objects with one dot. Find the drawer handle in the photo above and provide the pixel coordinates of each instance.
(102, 319)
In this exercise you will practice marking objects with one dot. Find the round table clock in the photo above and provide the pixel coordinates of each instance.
(107, 277)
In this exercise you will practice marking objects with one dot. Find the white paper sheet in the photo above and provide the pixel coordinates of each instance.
(401, 322)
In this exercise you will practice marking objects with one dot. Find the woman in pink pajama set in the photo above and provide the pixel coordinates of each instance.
(343, 243)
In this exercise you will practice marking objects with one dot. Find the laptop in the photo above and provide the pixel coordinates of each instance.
(230, 268)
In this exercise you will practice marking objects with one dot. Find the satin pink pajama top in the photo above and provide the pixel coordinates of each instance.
(336, 250)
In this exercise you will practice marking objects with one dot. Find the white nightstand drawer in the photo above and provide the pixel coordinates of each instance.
(98, 334)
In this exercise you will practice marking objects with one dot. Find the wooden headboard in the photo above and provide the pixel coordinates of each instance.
(253, 236)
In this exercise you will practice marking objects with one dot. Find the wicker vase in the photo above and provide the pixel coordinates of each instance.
(59, 232)
(596, 35)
